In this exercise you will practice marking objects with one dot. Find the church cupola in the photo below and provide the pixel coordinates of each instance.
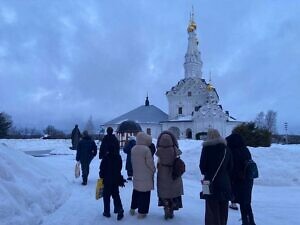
(193, 62)
(147, 101)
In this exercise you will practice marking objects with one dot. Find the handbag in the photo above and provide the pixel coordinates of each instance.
(99, 188)
(77, 170)
(206, 184)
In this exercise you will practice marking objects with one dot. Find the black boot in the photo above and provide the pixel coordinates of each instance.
(120, 215)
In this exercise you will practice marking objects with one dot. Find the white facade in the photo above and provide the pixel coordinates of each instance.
(193, 103)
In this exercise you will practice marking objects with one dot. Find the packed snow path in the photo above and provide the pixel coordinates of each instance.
(275, 197)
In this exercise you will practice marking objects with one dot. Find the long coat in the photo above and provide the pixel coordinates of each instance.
(167, 151)
(110, 170)
(142, 164)
(241, 187)
(211, 157)
(75, 136)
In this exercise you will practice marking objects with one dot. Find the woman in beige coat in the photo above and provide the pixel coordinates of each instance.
(143, 174)
(169, 191)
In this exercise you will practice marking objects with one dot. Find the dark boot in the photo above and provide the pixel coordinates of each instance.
(120, 215)
(168, 209)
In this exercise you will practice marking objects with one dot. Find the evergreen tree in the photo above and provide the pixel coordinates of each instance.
(5, 124)
(90, 126)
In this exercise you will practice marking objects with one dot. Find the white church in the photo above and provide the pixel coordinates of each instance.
(193, 103)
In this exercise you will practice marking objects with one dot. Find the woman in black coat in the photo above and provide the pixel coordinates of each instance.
(214, 153)
(242, 187)
(110, 172)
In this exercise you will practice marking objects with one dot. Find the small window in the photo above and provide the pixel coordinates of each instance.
(189, 93)
(149, 131)
(180, 110)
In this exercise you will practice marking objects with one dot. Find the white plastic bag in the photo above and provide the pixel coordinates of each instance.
(77, 170)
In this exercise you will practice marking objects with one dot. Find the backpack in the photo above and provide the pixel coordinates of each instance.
(250, 170)
(178, 168)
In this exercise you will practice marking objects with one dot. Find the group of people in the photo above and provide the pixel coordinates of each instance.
(221, 162)
(140, 168)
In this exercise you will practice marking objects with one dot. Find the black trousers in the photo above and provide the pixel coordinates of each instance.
(216, 212)
(247, 214)
(85, 169)
(112, 191)
(141, 201)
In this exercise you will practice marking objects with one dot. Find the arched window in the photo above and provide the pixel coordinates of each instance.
(188, 133)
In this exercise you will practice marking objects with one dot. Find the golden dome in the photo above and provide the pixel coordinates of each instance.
(210, 87)
(192, 26)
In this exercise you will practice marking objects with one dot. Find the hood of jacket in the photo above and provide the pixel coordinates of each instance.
(167, 139)
(143, 139)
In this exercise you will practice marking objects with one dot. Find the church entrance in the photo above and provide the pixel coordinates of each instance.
(188, 133)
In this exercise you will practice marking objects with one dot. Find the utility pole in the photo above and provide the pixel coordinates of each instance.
(286, 132)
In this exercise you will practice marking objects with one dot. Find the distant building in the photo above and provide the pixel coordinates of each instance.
(149, 117)
(193, 103)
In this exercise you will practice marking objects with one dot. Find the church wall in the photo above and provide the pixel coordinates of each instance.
(155, 129)
(183, 126)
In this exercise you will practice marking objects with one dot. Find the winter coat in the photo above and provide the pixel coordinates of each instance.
(142, 164)
(241, 187)
(167, 151)
(109, 143)
(75, 136)
(110, 170)
(127, 150)
(87, 150)
(152, 149)
(211, 157)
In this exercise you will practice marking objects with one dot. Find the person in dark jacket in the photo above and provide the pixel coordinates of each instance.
(152, 149)
(86, 151)
(242, 187)
(75, 136)
(216, 155)
(110, 143)
(110, 171)
(127, 150)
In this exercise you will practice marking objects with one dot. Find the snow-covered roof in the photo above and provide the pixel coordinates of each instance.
(142, 114)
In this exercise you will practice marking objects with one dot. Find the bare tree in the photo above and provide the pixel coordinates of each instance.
(260, 120)
(270, 120)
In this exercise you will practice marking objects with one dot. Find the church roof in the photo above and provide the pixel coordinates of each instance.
(142, 114)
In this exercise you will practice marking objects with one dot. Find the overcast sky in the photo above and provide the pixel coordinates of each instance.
(62, 61)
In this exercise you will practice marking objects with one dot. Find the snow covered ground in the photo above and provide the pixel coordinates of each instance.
(43, 190)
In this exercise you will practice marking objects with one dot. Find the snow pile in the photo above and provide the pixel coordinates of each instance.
(60, 147)
(278, 165)
(29, 189)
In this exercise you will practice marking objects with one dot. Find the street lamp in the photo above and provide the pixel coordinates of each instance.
(286, 134)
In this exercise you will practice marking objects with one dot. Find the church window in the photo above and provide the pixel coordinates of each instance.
(180, 110)
(189, 93)
(149, 131)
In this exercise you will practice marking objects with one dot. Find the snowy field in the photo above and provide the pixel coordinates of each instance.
(43, 190)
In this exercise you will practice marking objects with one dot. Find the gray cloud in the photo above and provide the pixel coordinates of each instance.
(62, 61)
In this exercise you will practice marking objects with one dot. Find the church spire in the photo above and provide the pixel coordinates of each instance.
(193, 63)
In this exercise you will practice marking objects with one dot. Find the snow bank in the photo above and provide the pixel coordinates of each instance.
(278, 165)
(29, 189)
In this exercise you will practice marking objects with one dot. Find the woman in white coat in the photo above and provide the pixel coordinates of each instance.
(143, 175)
